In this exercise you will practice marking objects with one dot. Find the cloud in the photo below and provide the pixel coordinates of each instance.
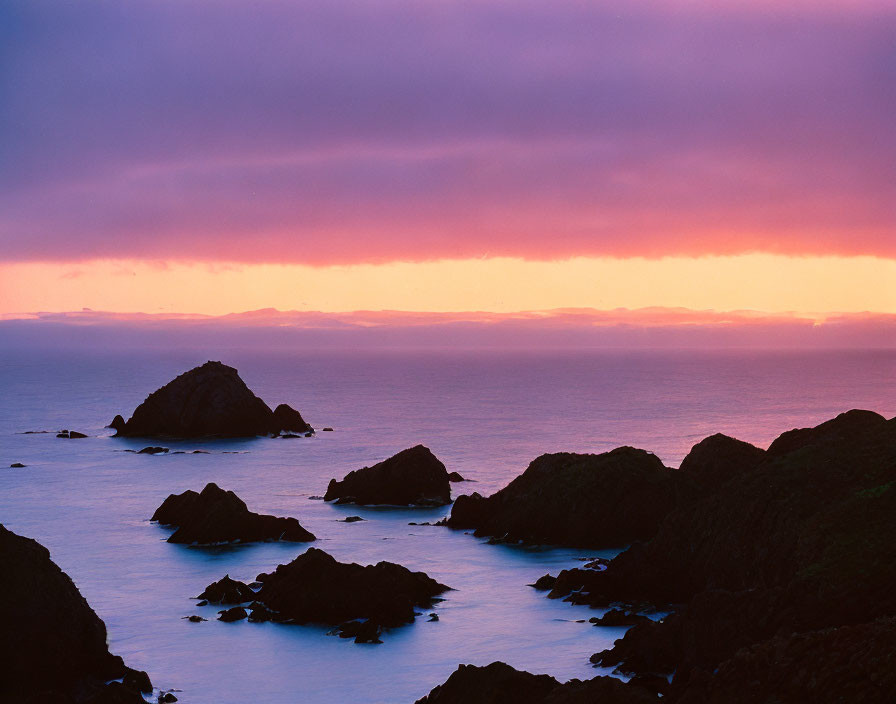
(342, 132)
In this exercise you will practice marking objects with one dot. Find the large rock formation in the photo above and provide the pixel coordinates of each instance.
(54, 648)
(606, 500)
(209, 401)
(215, 516)
(774, 571)
(315, 588)
(499, 683)
(413, 477)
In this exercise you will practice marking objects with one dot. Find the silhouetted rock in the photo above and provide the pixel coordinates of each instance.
(195, 619)
(153, 451)
(70, 435)
(499, 683)
(455, 477)
(413, 477)
(208, 401)
(216, 516)
(618, 617)
(352, 519)
(55, 645)
(17, 465)
(328, 430)
(719, 458)
(167, 698)
(544, 582)
(315, 588)
(138, 681)
(117, 423)
(237, 613)
(602, 500)
(227, 591)
(785, 554)
(287, 419)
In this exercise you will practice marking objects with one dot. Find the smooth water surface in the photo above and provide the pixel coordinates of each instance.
(486, 415)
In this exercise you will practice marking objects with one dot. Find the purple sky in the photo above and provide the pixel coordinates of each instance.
(332, 132)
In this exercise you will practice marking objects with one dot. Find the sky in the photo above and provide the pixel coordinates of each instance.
(214, 157)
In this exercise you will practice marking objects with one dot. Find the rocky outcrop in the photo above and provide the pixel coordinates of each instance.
(499, 683)
(413, 477)
(215, 516)
(606, 500)
(718, 459)
(209, 401)
(55, 644)
(117, 424)
(790, 553)
(315, 588)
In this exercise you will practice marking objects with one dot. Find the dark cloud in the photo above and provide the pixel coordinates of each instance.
(333, 132)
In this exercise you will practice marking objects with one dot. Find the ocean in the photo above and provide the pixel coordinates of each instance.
(484, 414)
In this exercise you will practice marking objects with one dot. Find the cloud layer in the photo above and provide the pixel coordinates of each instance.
(330, 132)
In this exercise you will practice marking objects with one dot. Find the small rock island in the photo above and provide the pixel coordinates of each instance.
(360, 600)
(413, 477)
(215, 516)
(208, 401)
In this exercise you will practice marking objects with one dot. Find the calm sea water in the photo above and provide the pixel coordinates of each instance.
(486, 415)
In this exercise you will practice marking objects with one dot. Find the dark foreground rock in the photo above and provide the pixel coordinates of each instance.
(117, 424)
(54, 647)
(606, 500)
(413, 477)
(315, 588)
(781, 575)
(215, 516)
(209, 401)
(499, 683)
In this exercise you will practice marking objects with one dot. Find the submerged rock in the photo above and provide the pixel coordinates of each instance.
(153, 451)
(209, 401)
(55, 646)
(413, 477)
(605, 500)
(315, 588)
(499, 683)
(216, 516)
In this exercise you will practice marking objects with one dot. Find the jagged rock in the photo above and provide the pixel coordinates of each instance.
(413, 477)
(216, 516)
(315, 588)
(499, 683)
(237, 613)
(288, 419)
(55, 649)
(227, 591)
(138, 681)
(605, 500)
(208, 401)
(117, 423)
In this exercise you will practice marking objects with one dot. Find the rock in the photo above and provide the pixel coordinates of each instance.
(117, 423)
(16, 465)
(216, 516)
(328, 430)
(63, 434)
(208, 401)
(362, 631)
(315, 588)
(413, 477)
(74, 434)
(616, 617)
(288, 419)
(606, 500)
(719, 458)
(59, 651)
(227, 591)
(138, 681)
(352, 519)
(544, 582)
(433, 617)
(153, 451)
(195, 619)
(455, 477)
(167, 698)
(499, 683)
(261, 613)
(237, 613)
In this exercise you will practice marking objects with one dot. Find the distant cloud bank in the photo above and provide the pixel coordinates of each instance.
(646, 328)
